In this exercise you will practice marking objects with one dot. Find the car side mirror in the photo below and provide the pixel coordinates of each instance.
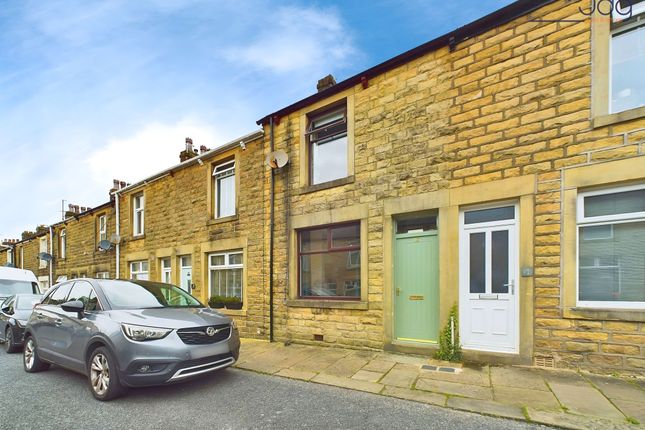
(74, 306)
(5, 310)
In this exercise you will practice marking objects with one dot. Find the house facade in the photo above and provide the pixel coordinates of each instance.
(199, 225)
(498, 168)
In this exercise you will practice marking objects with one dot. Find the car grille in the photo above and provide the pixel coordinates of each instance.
(198, 336)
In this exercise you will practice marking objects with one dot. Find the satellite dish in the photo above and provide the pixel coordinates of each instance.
(45, 256)
(277, 159)
(115, 238)
(105, 245)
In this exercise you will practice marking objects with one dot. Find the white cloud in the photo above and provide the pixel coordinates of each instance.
(153, 148)
(296, 39)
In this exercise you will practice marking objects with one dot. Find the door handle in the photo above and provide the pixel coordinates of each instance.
(511, 286)
(58, 321)
(398, 292)
(39, 315)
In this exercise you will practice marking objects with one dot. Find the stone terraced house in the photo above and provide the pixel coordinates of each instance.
(499, 168)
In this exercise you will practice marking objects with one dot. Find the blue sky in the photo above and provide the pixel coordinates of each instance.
(96, 90)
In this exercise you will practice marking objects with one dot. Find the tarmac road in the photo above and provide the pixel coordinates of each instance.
(227, 399)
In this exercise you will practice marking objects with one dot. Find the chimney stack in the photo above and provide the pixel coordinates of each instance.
(189, 152)
(326, 82)
(203, 149)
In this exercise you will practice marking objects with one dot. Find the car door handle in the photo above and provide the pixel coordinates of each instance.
(39, 315)
(58, 321)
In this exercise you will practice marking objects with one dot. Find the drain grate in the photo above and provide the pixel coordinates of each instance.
(439, 368)
(544, 361)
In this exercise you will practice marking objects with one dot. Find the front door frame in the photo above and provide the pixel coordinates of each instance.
(464, 291)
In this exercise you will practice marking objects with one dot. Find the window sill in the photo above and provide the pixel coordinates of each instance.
(215, 221)
(615, 118)
(327, 304)
(326, 185)
(137, 237)
(637, 315)
(232, 312)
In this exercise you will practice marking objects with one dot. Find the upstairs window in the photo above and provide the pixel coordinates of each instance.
(611, 248)
(138, 205)
(62, 243)
(42, 247)
(327, 136)
(224, 189)
(102, 227)
(627, 57)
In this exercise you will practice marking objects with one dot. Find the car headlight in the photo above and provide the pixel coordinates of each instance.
(142, 333)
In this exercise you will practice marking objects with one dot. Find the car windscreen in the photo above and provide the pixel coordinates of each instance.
(27, 302)
(9, 287)
(145, 294)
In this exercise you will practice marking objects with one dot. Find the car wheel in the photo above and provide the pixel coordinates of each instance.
(31, 360)
(103, 375)
(9, 344)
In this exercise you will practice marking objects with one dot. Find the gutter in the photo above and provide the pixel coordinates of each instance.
(451, 39)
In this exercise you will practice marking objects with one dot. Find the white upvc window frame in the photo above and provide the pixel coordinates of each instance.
(138, 207)
(166, 270)
(223, 170)
(102, 275)
(62, 243)
(136, 268)
(584, 221)
(42, 263)
(102, 227)
(225, 266)
(10, 256)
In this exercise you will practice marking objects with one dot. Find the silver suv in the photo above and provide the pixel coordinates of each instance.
(127, 333)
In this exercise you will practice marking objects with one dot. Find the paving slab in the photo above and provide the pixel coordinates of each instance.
(585, 400)
(400, 358)
(518, 378)
(474, 376)
(402, 375)
(486, 407)
(415, 395)
(576, 422)
(296, 374)
(615, 388)
(346, 366)
(321, 360)
(353, 384)
(378, 365)
(454, 389)
(544, 400)
(367, 375)
(633, 409)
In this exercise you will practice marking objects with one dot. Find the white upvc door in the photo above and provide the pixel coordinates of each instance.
(489, 279)
(185, 272)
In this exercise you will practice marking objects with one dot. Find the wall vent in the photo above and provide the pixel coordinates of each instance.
(545, 361)
(319, 337)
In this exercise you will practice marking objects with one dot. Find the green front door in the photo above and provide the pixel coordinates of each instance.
(416, 287)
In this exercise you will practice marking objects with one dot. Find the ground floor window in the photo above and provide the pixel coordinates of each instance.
(611, 248)
(139, 270)
(330, 261)
(102, 275)
(166, 273)
(225, 271)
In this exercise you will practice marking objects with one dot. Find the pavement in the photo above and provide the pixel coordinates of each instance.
(559, 398)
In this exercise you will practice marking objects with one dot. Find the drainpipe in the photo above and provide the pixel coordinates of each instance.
(51, 252)
(118, 232)
(271, 224)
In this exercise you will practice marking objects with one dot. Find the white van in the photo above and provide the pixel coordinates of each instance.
(17, 281)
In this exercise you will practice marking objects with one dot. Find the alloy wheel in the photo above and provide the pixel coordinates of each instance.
(29, 353)
(100, 374)
(8, 340)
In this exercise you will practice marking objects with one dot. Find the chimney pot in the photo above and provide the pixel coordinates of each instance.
(326, 82)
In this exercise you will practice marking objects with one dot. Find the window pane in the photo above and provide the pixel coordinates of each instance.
(499, 257)
(346, 236)
(613, 269)
(144, 266)
(218, 260)
(165, 263)
(313, 240)
(627, 65)
(185, 261)
(329, 160)
(615, 203)
(416, 224)
(82, 292)
(235, 259)
(487, 215)
(226, 196)
(335, 274)
(59, 295)
(478, 263)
